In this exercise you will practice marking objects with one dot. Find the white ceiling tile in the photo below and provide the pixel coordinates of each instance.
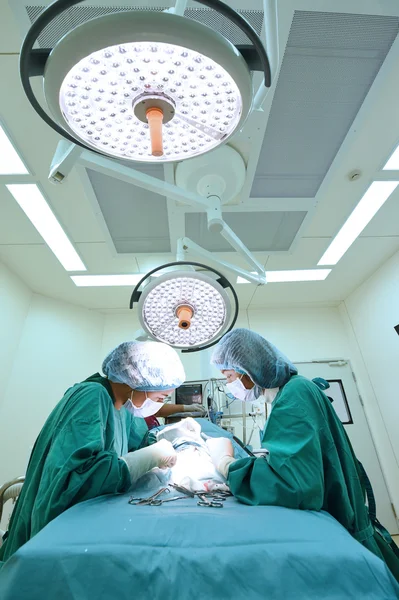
(37, 266)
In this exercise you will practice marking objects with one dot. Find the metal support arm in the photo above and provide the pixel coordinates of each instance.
(179, 7)
(153, 184)
(217, 224)
(64, 160)
(188, 245)
(67, 154)
(241, 248)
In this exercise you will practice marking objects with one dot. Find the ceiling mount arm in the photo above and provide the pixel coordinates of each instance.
(187, 245)
(179, 7)
(217, 224)
(211, 204)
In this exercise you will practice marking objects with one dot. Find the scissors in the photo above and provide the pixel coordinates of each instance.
(160, 501)
(182, 490)
(220, 495)
(146, 501)
(209, 501)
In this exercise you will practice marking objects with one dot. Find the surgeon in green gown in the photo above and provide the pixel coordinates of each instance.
(91, 443)
(310, 463)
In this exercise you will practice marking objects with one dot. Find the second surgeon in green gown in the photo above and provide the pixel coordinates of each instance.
(310, 463)
(90, 444)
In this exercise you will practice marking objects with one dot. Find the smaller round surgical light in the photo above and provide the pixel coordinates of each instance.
(186, 309)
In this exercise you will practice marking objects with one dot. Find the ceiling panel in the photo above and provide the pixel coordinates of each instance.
(368, 254)
(330, 63)
(306, 256)
(137, 219)
(40, 270)
(259, 231)
(76, 15)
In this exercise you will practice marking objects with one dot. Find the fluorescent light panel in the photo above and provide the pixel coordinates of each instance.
(106, 280)
(371, 202)
(293, 276)
(10, 163)
(32, 202)
(393, 162)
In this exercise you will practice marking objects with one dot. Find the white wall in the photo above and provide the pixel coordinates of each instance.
(59, 345)
(303, 334)
(370, 313)
(46, 346)
(15, 298)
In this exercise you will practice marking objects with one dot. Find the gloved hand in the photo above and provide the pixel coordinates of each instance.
(222, 453)
(195, 409)
(162, 455)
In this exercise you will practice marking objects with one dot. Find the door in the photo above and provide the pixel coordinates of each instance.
(341, 375)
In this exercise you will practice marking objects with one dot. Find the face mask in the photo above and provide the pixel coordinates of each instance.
(240, 392)
(147, 409)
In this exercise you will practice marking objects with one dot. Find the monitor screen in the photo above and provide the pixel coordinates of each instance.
(189, 394)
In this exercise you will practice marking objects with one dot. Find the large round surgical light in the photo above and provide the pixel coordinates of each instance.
(198, 101)
(143, 85)
(186, 309)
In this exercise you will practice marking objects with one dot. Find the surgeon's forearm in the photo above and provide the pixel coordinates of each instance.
(254, 482)
(224, 465)
(139, 462)
(161, 454)
(170, 409)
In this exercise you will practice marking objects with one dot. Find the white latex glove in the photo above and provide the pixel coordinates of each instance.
(195, 409)
(165, 454)
(162, 455)
(222, 453)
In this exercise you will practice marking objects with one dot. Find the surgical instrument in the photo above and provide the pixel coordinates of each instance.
(217, 495)
(160, 501)
(208, 501)
(182, 490)
(143, 501)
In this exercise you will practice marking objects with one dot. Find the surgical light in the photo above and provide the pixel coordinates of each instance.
(143, 85)
(369, 205)
(187, 309)
(119, 100)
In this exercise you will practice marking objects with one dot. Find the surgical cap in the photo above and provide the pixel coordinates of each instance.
(245, 351)
(145, 366)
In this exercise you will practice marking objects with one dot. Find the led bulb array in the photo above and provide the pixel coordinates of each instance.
(98, 96)
(162, 302)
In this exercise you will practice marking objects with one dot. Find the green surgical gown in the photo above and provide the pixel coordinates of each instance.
(75, 458)
(310, 466)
